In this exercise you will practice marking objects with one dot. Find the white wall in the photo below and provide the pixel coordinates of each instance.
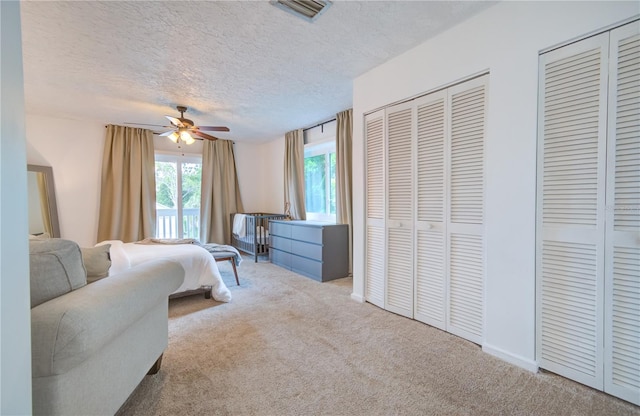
(15, 322)
(253, 167)
(505, 40)
(273, 171)
(73, 148)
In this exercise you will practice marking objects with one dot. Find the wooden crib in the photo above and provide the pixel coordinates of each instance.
(250, 233)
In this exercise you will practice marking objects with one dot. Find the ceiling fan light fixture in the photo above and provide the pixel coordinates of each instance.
(186, 137)
(174, 137)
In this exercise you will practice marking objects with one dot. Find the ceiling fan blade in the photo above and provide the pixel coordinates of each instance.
(176, 122)
(213, 128)
(166, 133)
(204, 135)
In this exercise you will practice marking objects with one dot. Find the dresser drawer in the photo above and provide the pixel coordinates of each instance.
(281, 258)
(281, 243)
(307, 267)
(280, 229)
(313, 251)
(310, 234)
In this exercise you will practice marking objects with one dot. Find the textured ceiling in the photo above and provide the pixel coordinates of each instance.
(244, 64)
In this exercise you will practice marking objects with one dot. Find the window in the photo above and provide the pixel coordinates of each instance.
(178, 196)
(320, 181)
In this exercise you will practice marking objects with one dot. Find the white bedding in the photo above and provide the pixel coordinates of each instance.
(200, 267)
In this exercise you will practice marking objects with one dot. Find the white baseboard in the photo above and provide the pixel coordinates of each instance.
(357, 298)
(529, 365)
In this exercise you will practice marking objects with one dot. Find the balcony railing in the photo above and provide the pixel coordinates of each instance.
(167, 223)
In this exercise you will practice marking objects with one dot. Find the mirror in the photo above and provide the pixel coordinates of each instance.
(43, 209)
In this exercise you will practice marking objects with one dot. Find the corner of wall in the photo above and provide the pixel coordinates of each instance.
(357, 297)
(15, 327)
(525, 363)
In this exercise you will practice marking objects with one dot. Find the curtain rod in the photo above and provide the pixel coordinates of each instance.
(320, 125)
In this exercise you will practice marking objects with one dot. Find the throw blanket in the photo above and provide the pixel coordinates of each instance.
(239, 225)
(210, 247)
(220, 248)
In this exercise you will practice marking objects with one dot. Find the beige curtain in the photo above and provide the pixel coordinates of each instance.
(220, 191)
(45, 209)
(128, 193)
(294, 174)
(344, 134)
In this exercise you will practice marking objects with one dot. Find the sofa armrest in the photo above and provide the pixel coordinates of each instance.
(67, 330)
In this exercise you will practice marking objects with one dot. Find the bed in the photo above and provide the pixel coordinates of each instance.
(250, 232)
(200, 267)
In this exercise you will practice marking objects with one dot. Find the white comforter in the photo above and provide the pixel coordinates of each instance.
(200, 267)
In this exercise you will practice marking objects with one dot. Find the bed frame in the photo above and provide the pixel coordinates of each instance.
(256, 240)
(204, 289)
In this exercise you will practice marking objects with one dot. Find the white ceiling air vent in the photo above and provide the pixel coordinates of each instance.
(306, 9)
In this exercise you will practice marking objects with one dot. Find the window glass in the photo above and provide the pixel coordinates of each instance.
(191, 176)
(315, 183)
(178, 180)
(320, 181)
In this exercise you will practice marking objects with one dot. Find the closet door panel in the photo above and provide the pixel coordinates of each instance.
(400, 175)
(622, 268)
(374, 290)
(466, 282)
(375, 240)
(430, 168)
(465, 241)
(430, 284)
(430, 277)
(569, 280)
(622, 344)
(374, 130)
(399, 293)
(467, 155)
(400, 248)
(570, 207)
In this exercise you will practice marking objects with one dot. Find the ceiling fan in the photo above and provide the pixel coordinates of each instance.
(183, 129)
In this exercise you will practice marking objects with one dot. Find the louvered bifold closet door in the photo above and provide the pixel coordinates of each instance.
(430, 278)
(465, 227)
(570, 209)
(399, 281)
(622, 264)
(375, 242)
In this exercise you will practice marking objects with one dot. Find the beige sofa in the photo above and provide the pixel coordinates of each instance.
(92, 344)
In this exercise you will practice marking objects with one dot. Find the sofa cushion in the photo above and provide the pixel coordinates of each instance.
(69, 329)
(97, 262)
(55, 269)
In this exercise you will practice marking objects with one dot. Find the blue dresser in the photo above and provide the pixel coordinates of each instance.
(315, 249)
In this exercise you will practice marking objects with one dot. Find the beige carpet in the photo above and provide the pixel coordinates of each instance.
(287, 345)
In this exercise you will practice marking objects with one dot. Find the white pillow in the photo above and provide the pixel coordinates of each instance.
(119, 258)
